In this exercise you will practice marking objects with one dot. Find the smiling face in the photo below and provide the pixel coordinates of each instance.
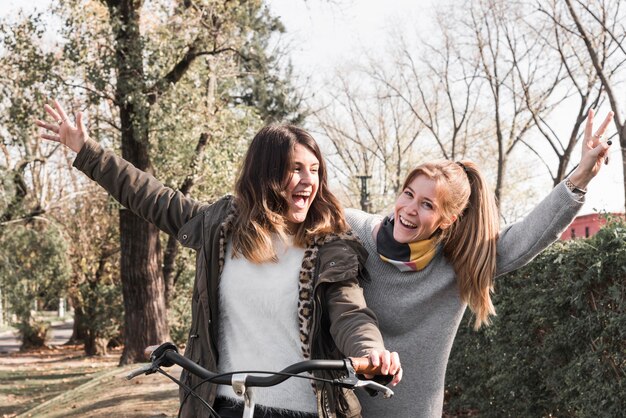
(418, 212)
(303, 183)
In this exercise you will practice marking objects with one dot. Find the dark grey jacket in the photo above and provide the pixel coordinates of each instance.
(334, 320)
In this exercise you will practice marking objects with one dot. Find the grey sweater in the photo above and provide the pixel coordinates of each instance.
(419, 312)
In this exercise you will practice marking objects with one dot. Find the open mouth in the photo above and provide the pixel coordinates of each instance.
(300, 199)
(406, 223)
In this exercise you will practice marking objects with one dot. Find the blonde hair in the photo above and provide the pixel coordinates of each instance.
(470, 241)
(261, 200)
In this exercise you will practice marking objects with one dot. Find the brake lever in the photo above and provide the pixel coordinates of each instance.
(352, 381)
(373, 386)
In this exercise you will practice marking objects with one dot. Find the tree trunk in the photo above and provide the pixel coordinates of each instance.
(145, 320)
(622, 141)
(33, 333)
(79, 329)
(95, 346)
(169, 261)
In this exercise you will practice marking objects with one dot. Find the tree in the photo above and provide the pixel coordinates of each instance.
(510, 63)
(93, 289)
(371, 136)
(441, 92)
(478, 89)
(24, 178)
(213, 30)
(33, 267)
(159, 78)
(604, 21)
(580, 84)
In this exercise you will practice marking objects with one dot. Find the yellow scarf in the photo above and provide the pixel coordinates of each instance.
(413, 256)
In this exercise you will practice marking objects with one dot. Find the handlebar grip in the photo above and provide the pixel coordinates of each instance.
(362, 365)
(150, 349)
(142, 370)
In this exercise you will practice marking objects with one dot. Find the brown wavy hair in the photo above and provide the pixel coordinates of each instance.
(261, 198)
(470, 241)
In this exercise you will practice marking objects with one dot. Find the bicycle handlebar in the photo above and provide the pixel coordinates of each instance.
(361, 365)
(167, 355)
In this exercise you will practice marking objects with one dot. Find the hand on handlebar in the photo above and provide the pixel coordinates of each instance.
(166, 355)
(389, 363)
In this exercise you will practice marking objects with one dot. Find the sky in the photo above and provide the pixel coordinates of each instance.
(325, 35)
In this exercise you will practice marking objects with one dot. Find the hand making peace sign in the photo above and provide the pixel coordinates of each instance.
(594, 151)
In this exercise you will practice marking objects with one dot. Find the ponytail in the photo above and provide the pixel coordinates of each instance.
(470, 244)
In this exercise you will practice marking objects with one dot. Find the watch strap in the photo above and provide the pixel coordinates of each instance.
(573, 188)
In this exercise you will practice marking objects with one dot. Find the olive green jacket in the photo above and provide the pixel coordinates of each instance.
(334, 319)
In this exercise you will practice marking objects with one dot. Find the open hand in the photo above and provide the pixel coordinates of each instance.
(62, 129)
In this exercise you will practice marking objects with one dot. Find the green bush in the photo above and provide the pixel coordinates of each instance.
(558, 344)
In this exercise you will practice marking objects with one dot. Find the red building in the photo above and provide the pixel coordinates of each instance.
(585, 226)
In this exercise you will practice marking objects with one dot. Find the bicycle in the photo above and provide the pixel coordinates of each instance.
(166, 355)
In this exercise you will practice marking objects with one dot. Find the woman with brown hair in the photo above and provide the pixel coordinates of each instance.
(439, 253)
(277, 273)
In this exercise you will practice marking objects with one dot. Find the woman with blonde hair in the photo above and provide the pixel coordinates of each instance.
(439, 253)
(278, 272)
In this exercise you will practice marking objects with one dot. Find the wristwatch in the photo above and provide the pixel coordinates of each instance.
(575, 189)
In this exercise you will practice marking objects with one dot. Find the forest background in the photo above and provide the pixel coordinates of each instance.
(180, 87)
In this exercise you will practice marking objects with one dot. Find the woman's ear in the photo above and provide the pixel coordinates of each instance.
(446, 224)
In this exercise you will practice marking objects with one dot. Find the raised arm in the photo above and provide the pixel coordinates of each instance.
(519, 243)
(136, 190)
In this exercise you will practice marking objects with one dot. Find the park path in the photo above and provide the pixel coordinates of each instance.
(59, 334)
(62, 382)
